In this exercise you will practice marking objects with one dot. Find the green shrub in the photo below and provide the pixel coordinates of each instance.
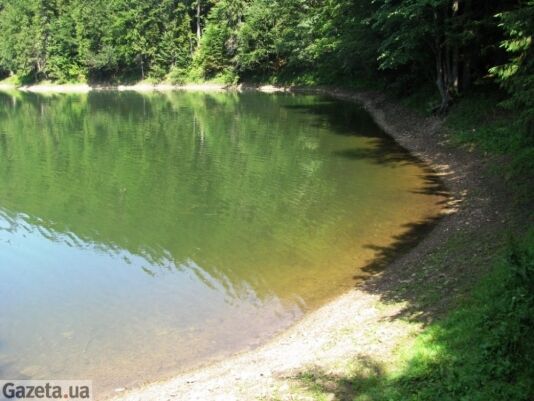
(178, 75)
(227, 76)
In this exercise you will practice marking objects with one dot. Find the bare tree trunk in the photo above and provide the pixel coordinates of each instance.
(199, 30)
(455, 53)
(441, 82)
(441, 51)
(455, 68)
(467, 52)
(448, 66)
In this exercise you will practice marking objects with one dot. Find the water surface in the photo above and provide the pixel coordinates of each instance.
(143, 234)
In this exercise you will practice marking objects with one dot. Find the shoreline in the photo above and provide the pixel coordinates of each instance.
(365, 322)
(369, 321)
(141, 87)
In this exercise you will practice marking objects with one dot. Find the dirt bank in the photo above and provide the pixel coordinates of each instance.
(364, 328)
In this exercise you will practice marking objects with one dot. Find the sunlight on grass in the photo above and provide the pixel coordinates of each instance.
(481, 351)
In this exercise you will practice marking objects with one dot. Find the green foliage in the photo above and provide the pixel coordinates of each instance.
(517, 75)
(257, 38)
(62, 63)
(150, 37)
(407, 28)
(178, 75)
(75, 40)
(348, 39)
(20, 52)
(218, 46)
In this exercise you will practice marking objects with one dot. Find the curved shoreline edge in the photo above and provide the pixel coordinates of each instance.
(368, 323)
(365, 323)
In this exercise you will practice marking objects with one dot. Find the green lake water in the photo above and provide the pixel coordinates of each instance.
(144, 234)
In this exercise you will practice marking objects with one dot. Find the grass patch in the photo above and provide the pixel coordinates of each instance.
(483, 351)
(479, 120)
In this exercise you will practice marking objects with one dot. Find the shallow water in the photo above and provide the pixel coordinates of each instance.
(143, 234)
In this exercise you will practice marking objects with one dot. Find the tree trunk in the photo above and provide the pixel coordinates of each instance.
(467, 51)
(199, 30)
(441, 83)
(443, 64)
(455, 69)
(455, 53)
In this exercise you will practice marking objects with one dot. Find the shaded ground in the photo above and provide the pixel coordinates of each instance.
(338, 350)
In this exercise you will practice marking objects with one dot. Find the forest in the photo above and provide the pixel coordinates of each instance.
(450, 45)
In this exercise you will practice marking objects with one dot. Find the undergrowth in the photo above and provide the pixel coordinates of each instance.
(479, 119)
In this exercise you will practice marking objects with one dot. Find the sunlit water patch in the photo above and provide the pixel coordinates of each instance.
(141, 235)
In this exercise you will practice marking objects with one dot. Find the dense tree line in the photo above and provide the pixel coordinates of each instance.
(72, 40)
(406, 43)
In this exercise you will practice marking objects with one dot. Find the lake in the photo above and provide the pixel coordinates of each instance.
(145, 234)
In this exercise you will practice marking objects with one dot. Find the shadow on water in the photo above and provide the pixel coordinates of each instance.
(390, 283)
(401, 245)
(349, 119)
(342, 117)
(386, 151)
